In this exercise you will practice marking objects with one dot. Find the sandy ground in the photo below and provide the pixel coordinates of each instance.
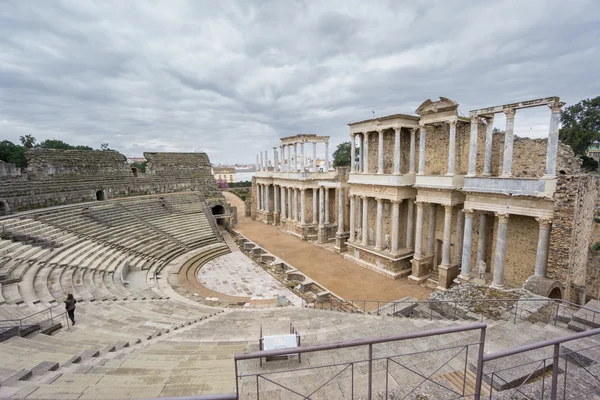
(341, 276)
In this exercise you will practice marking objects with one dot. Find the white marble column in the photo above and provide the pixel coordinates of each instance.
(410, 236)
(302, 159)
(290, 200)
(465, 268)
(422, 133)
(275, 198)
(258, 196)
(282, 161)
(260, 191)
(482, 240)
(489, 140)
(352, 153)
(366, 153)
(361, 142)
(447, 240)
(413, 144)
(326, 205)
(432, 226)
(295, 162)
(321, 207)
(458, 247)
(500, 251)
(267, 198)
(303, 206)
(395, 225)
(419, 231)
(359, 203)
(508, 143)
(552, 150)
(288, 158)
(352, 217)
(397, 150)
(451, 148)
(380, 152)
(473, 146)
(541, 257)
(326, 156)
(314, 157)
(283, 203)
(365, 220)
(379, 225)
(340, 218)
(295, 204)
(315, 197)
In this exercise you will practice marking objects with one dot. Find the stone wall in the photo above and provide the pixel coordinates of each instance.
(9, 170)
(48, 163)
(180, 163)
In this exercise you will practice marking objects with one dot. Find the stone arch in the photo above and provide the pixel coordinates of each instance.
(556, 293)
(217, 210)
(4, 208)
(134, 171)
(100, 195)
(544, 287)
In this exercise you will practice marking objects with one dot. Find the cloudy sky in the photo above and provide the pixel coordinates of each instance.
(230, 77)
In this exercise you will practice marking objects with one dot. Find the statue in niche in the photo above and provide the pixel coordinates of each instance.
(386, 242)
(481, 267)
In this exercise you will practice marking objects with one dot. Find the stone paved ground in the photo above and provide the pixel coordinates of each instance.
(236, 275)
(341, 276)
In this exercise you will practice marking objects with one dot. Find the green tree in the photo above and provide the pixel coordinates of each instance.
(141, 166)
(104, 147)
(581, 125)
(341, 155)
(28, 141)
(589, 164)
(13, 153)
(59, 144)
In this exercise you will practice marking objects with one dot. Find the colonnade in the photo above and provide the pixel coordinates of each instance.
(290, 157)
(363, 151)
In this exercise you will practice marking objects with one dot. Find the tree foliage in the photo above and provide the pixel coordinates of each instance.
(222, 184)
(581, 125)
(60, 145)
(13, 153)
(28, 141)
(341, 155)
(141, 166)
(589, 164)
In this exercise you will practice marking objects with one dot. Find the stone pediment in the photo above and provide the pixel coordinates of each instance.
(434, 107)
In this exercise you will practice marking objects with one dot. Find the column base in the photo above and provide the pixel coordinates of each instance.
(276, 218)
(462, 279)
(322, 235)
(421, 268)
(553, 176)
(446, 275)
(341, 239)
(506, 176)
(493, 285)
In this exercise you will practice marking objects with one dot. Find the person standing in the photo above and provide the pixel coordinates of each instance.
(70, 306)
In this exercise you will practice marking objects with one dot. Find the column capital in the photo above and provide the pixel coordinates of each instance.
(380, 130)
(419, 203)
(452, 122)
(413, 130)
(544, 222)
(489, 119)
(556, 106)
(469, 212)
(366, 133)
(502, 218)
(397, 129)
(448, 208)
(510, 112)
(379, 200)
(475, 119)
(364, 197)
(396, 201)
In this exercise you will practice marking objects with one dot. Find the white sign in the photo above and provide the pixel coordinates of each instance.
(279, 342)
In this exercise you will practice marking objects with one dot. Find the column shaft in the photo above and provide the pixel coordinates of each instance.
(552, 151)
(321, 207)
(314, 157)
(508, 143)
(352, 217)
(541, 257)
(353, 153)
(365, 220)
(340, 218)
(397, 151)
(275, 198)
(489, 139)
(366, 153)
(419, 231)
(326, 157)
(380, 152)
(315, 197)
(295, 204)
(410, 236)
(482, 240)
(326, 205)
(447, 236)
(302, 159)
(413, 144)
(295, 161)
(451, 148)
(465, 268)
(395, 225)
(283, 207)
(458, 247)
(500, 250)
(360, 152)
(267, 200)
(290, 210)
(431, 231)
(422, 132)
(303, 206)
(473, 147)
(379, 225)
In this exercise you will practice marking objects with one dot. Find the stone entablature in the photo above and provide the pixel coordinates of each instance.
(289, 156)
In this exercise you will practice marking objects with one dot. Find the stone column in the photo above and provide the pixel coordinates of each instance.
(410, 236)
(447, 236)
(359, 213)
(365, 220)
(326, 205)
(290, 200)
(397, 152)
(267, 199)
(295, 204)
(473, 147)
(380, 152)
(321, 206)
(352, 217)
(275, 199)
(340, 218)
(258, 195)
(288, 158)
(283, 203)
(314, 160)
(465, 268)
(315, 196)
(451, 148)
(379, 225)
(302, 159)
(326, 156)
(295, 162)
(508, 142)
(413, 143)
(458, 247)
(395, 225)
(282, 161)
(489, 138)
(366, 153)
(419, 231)
(361, 142)
(431, 231)
(552, 150)
(541, 257)
(482, 238)
(303, 206)
(352, 153)
(422, 132)
(500, 251)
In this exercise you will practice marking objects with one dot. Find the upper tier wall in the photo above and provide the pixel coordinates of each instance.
(45, 163)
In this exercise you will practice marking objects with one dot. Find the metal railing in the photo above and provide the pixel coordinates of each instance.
(351, 372)
(537, 309)
(38, 320)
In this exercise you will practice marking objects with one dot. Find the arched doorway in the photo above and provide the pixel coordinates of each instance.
(3, 208)
(217, 211)
(555, 293)
(134, 171)
(100, 195)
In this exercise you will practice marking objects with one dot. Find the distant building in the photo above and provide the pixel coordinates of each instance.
(226, 174)
(594, 151)
(131, 160)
